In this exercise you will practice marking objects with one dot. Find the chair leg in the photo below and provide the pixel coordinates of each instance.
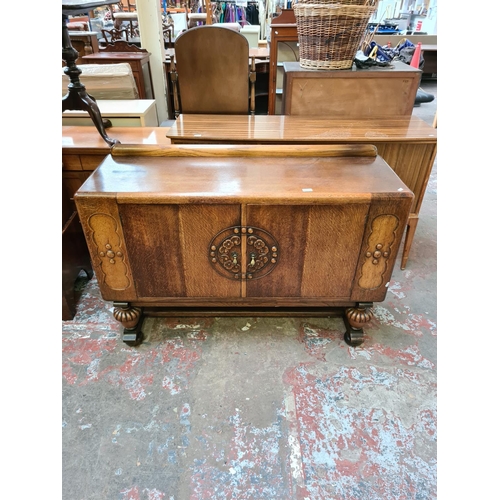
(253, 78)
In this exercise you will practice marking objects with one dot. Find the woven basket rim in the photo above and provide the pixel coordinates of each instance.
(334, 6)
(358, 3)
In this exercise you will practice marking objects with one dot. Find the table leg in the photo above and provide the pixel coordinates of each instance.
(77, 97)
(410, 233)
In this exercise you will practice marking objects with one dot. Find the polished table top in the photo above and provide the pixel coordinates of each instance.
(297, 129)
(77, 139)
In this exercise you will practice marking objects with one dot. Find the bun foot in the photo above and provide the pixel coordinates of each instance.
(354, 319)
(131, 318)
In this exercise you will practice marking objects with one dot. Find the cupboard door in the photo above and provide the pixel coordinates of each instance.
(168, 247)
(318, 249)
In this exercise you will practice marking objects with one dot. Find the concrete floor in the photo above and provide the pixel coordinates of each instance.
(258, 408)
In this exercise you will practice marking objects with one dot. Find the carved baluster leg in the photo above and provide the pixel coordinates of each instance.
(355, 318)
(77, 97)
(131, 318)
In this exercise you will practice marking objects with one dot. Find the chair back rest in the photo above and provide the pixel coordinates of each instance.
(212, 65)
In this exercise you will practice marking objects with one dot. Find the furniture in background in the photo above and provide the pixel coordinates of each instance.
(82, 152)
(283, 46)
(77, 97)
(120, 112)
(123, 52)
(240, 230)
(261, 57)
(376, 92)
(106, 81)
(84, 42)
(75, 254)
(407, 144)
(210, 73)
(205, 16)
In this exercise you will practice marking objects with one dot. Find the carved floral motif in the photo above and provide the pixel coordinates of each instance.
(260, 255)
(378, 251)
(108, 243)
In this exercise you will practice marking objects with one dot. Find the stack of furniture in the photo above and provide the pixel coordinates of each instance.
(106, 81)
(121, 52)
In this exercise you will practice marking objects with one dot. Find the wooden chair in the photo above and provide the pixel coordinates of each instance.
(113, 35)
(211, 74)
(121, 45)
(205, 16)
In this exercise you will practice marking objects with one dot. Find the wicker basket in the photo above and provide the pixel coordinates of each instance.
(330, 34)
(361, 3)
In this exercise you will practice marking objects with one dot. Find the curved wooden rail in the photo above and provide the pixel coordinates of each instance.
(216, 150)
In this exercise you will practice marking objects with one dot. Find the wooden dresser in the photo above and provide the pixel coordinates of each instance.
(247, 229)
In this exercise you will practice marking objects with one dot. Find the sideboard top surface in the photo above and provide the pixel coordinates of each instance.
(135, 179)
(298, 129)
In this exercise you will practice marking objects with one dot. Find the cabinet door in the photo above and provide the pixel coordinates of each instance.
(318, 249)
(168, 245)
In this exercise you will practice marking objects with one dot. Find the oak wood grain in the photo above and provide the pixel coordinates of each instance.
(231, 180)
(262, 129)
(151, 222)
(212, 150)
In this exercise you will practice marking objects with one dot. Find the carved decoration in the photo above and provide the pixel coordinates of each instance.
(108, 245)
(261, 249)
(378, 251)
(225, 253)
(119, 45)
(229, 254)
(128, 315)
(358, 316)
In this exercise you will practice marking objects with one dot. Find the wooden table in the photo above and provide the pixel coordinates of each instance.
(247, 228)
(407, 144)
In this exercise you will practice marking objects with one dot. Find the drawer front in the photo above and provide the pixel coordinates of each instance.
(71, 162)
(128, 121)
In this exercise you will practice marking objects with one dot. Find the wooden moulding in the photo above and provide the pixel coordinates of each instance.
(204, 150)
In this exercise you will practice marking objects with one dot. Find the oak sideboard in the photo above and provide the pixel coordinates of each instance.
(243, 228)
